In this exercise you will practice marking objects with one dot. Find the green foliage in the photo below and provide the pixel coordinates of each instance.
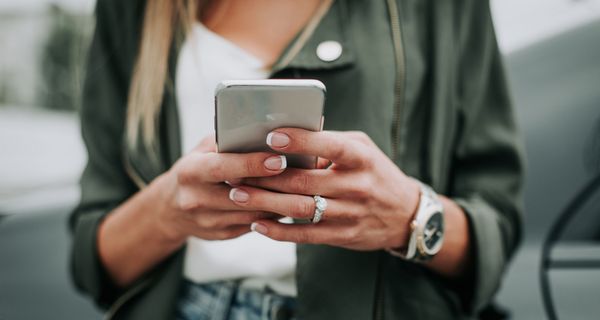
(62, 60)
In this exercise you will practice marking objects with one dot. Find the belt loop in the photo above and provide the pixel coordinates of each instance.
(267, 306)
(277, 307)
(225, 298)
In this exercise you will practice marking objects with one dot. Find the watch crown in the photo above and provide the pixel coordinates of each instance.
(413, 225)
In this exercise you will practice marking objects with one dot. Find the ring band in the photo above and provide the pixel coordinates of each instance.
(320, 207)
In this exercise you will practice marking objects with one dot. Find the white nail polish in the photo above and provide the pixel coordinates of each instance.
(269, 138)
(257, 227)
(231, 193)
(283, 162)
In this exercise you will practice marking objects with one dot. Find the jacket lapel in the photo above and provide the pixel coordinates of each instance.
(302, 51)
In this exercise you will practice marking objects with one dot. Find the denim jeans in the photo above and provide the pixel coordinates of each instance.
(227, 301)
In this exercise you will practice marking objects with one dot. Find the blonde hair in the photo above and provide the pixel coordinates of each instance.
(162, 20)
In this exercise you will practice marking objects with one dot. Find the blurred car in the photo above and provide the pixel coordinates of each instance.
(555, 85)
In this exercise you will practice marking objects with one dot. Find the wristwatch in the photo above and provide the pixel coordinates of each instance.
(427, 228)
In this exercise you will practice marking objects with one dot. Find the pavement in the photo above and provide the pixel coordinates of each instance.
(34, 269)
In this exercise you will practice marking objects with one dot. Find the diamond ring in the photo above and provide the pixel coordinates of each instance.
(320, 207)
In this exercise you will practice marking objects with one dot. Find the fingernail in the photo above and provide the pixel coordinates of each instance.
(234, 182)
(238, 195)
(257, 227)
(276, 163)
(277, 139)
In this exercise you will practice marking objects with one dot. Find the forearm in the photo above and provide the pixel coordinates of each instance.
(130, 241)
(454, 258)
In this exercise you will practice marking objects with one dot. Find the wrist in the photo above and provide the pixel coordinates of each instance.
(425, 228)
(410, 207)
(159, 196)
(412, 199)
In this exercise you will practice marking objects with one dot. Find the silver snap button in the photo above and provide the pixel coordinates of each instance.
(329, 50)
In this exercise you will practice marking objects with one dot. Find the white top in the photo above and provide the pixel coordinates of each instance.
(204, 60)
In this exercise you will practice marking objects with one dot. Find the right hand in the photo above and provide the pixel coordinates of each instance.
(195, 198)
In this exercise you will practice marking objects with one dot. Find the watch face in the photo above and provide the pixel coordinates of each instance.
(433, 233)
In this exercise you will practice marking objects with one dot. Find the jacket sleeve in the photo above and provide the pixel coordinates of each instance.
(104, 183)
(488, 166)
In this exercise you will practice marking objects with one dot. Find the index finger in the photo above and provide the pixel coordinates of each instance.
(324, 144)
(220, 167)
(325, 232)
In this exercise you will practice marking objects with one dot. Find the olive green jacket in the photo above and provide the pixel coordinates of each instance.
(424, 79)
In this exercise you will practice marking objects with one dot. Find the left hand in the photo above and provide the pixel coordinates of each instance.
(370, 200)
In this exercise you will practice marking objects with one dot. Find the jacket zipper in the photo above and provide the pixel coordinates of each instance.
(379, 298)
(396, 141)
(400, 73)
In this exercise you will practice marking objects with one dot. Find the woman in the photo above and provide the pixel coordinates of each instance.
(418, 101)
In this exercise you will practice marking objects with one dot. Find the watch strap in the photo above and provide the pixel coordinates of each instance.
(411, 252)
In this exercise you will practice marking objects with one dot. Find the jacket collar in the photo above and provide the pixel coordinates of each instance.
(329, 27)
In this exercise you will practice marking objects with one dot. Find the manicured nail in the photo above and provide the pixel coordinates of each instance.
(276, 163)
(277, 139)
(257, 227)
(238, 195)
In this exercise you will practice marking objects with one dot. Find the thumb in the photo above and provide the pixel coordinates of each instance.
(207, 144)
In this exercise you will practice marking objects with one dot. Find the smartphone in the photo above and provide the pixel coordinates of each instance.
(247, 110)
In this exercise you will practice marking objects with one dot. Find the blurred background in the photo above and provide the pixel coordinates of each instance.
(552, 55)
